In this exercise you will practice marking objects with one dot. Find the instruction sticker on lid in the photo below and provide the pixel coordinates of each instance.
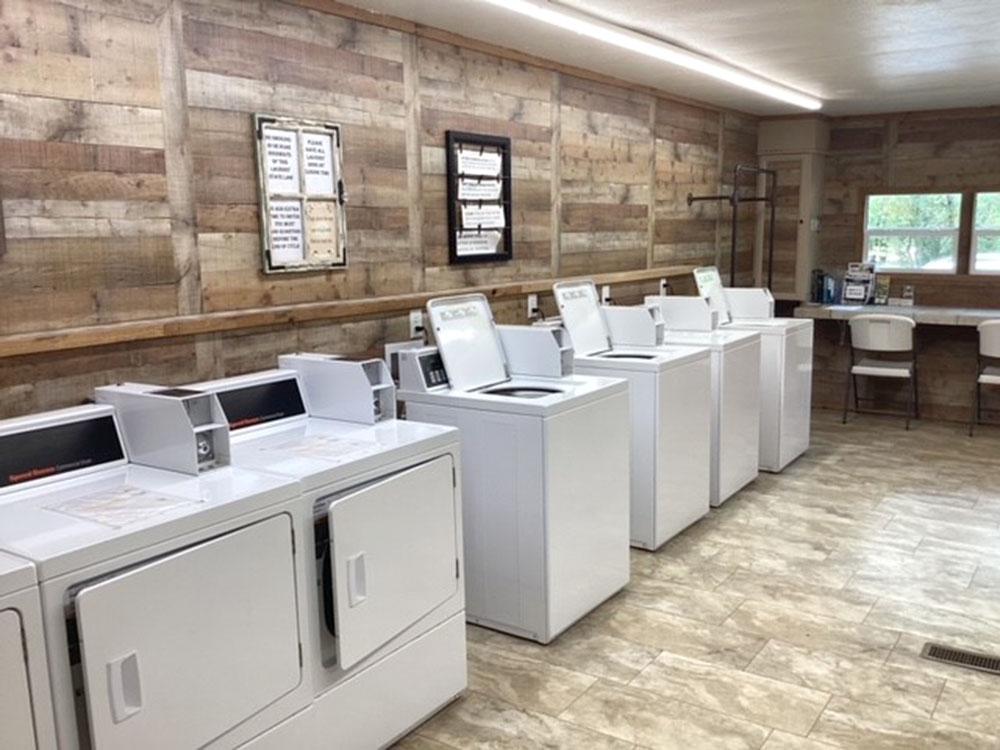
(126, 506)
(328, 448)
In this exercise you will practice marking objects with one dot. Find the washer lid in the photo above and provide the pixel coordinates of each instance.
(710, 287)
(468, 341)
(580, 309)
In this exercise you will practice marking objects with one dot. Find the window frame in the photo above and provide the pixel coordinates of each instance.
(956, 233)
(976, 234)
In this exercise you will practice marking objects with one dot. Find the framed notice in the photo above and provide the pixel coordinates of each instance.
(302, 196)
(479, 198)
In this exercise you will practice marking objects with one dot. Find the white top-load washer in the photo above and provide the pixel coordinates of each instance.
(172, 606)
(670, 394)
(786, 366)
(382, 502)
(546, 480)
(26, 719)
(735, 381)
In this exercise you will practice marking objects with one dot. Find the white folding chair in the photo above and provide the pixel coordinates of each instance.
(987, 369)
(886, 346)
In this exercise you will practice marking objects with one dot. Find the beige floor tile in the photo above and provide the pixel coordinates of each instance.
(416, 742)
(906, 654)
(860, 679)
(700, 640)
(733, 692)
(916, 508)
(527, 683)
(813, 631)
(744, 613)
(481, 721)
(674, 598)
(975, 707)
(988, 537)
(661, 723)
(949, 626)
(765, 562)
(784, 741)
(587, 647)
(929, 594)
(792, 591)
(893, 565)
(859, 725)
(695, 574)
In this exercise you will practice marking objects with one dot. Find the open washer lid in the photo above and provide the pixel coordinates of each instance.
(710, 287)
(468, 341)
(580, 309)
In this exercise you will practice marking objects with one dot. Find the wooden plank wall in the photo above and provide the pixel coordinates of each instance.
(128, 187)
(919, 151)
(951, 150)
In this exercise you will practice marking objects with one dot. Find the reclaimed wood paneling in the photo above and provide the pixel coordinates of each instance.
(129, 189)
(82, 166)
(919, 151)
(687, 161)
(606, 154)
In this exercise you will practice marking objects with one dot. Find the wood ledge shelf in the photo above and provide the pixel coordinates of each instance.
(85, 337)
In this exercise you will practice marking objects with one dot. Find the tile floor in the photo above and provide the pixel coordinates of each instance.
(792, 618)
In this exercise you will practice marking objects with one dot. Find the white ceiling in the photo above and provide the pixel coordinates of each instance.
(859, 56)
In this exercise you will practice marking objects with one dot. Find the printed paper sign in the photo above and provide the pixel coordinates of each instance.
(471, 162)
(489, 216)
(281, 160)
(126, 506)
(287, 246)
(475, 243)
(317, 151)
(479, 190)
(324, 231)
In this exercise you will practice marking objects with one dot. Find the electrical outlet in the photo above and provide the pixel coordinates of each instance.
(533, 311)
(416, 324)
(606, 294)
(664, 287)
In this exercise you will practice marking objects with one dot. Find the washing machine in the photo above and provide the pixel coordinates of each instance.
(670, 395)
(382, 501)
(546, 477)
(786, 365)
(26, 719)
(171, 600)
(689, 321)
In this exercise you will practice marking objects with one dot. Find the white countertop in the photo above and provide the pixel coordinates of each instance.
(927, 315)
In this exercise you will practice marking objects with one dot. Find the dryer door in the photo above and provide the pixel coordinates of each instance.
(394, 555)
(16, 724)
(179, 650)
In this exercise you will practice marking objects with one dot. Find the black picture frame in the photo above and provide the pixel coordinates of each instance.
(505, 249)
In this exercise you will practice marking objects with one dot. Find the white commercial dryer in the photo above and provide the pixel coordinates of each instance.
(382, 501)
(172, 606)
(26, 719)
(670, 395)
(546, 481)
(786, 365)
(735, 381)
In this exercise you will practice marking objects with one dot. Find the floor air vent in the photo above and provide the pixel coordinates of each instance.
(961, 658)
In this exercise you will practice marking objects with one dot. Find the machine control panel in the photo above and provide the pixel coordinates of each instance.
(262, 402)
(41, 452)
(433, 370)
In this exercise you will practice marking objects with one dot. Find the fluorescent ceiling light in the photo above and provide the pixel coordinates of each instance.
(629, 40)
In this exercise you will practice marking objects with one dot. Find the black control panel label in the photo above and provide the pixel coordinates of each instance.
(259, 404)
(49, 451)
(433, 370)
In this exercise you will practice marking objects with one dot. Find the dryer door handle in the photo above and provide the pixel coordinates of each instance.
(357, 579)
(124, 687)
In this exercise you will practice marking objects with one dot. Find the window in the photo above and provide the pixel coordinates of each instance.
(916, 232)
(986, 234)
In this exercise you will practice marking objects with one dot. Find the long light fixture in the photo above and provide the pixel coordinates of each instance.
(629, 40)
